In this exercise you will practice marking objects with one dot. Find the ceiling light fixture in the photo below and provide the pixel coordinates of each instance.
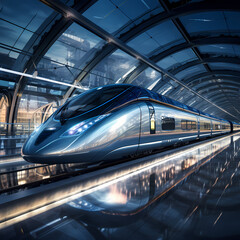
(40, 78)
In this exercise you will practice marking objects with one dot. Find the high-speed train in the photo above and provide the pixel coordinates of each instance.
(117, 121)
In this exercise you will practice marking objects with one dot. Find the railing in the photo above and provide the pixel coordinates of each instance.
(16, 129)
(13, 136)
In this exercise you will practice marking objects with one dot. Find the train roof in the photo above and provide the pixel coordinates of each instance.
(143, 93)
(164, 99)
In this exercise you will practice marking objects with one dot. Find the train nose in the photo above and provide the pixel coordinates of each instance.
(42, 143)
(48, 151)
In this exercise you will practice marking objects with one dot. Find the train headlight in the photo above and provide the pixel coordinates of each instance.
(83, 126)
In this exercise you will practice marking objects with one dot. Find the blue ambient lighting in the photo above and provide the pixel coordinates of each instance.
(83, 126)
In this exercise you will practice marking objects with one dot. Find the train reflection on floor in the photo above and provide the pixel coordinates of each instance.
(194, 195)
(33, 173)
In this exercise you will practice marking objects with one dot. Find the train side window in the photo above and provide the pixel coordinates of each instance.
(207, 126)
(168, 123)
(183, 124)
(194, 124)
(188, 125)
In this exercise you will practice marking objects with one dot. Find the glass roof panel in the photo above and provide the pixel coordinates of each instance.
(28, 14)
(191, 71)
(10, 34)
(177, 59)
(148, 78)
(112, 69)
(118, 16)
(12, 41)
(74, 47)
(135, 8)
(233, 19)
(106, 15)
(204, 23)
(212, 23)
(143, 44)
(224, 66)
(19, 30)
(220, 50)
(161, 37)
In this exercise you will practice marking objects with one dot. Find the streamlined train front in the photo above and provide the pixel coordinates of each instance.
(88, 128)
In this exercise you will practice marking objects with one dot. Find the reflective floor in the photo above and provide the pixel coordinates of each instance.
(194, 195)
(19, 173)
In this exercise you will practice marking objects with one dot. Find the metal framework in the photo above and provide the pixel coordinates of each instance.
(68, 15)
(151, 22)
(78, 18)
(193, 44)
(229, 73)
(230, 79)
(206, 60)
(189, 8)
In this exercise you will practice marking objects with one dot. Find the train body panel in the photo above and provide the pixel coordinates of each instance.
(175, 125)
(120, 137)
(113, 122)
(235, 127)
(205, 127)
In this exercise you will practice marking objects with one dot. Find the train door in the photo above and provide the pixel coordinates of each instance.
(148, 136)
(211, 129)
(198, 126)
(152, 118)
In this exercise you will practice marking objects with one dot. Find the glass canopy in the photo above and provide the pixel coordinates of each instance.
(196, 42)
(160, 38)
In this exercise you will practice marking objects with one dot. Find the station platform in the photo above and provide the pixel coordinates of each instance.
(190, 192)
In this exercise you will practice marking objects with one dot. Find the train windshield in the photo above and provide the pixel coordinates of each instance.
(88, 101)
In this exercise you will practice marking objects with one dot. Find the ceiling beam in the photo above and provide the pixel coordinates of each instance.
(193, 44)
(235, 86)
(196, 43)
(215, 72)
(233, 60)
(227, 79)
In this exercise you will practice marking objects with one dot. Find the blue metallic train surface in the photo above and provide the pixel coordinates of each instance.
(117, 121)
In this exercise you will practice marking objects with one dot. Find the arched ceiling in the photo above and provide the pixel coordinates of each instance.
(187, 50)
